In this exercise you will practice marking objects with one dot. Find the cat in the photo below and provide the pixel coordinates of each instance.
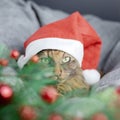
(67, 70)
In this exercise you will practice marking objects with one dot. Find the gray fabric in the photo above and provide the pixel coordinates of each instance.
(48, 15)
(17, 22)
(112, 65)
(20, 19)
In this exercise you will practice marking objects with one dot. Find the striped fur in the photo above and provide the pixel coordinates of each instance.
(67, 70)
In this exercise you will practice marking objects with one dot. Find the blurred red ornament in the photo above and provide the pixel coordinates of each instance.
(4, 62)
(35, 59)
(55, 117)
(118, 90)
(6, 94)
(28, 113)
(99, 116)
(14, 54)
(78, 118)
(49, 94)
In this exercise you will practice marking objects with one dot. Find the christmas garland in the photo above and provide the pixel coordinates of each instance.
(27, 94)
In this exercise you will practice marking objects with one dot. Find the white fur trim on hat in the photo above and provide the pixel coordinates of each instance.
(70, 46)
(91, 76)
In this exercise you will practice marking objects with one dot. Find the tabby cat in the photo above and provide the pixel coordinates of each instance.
(67, 70)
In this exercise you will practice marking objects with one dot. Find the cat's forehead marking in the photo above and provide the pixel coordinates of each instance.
(57, 55)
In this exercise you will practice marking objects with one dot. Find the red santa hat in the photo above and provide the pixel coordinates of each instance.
(72, 35)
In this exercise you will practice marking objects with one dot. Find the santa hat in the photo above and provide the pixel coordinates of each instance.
(72, 35)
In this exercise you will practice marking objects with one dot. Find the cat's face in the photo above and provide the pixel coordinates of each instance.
(66, 69)
(65, 65)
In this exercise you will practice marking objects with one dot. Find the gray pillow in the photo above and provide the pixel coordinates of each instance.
(17, 22)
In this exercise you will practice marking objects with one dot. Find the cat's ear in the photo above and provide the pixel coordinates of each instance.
(91, 76)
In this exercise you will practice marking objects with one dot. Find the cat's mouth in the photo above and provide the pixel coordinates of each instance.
(57, 77)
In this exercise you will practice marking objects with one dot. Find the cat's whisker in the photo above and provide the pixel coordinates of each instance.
(55, 77)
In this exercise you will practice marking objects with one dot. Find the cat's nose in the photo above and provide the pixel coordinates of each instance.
(58, 70)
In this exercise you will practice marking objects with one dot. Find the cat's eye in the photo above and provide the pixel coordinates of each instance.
(66, 59)
(45, 60)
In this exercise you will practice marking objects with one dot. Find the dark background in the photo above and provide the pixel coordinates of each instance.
(106, 9)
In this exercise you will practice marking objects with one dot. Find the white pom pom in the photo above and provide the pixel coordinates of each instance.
(91, 76)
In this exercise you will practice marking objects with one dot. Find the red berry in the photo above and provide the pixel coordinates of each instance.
(49, 94)
(14, 54)
(28, 113)
(6, 94)
(35, 59)
(55, 117)
(99, 116)
(4, 62)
